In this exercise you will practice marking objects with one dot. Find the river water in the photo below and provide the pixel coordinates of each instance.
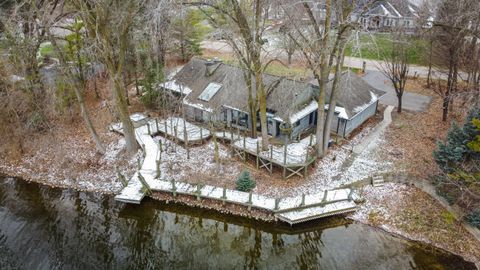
(46, 228)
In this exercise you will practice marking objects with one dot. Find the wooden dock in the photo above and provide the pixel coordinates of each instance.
(290, 209)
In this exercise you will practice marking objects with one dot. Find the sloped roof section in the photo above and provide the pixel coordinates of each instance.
(226, 87)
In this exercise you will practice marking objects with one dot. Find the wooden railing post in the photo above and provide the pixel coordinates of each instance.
(174, 188)
(277, 203)
(224, 196)
(303, 200)
(258, 154)
(158, 168)
(285, 161)
(121, 178)
(156, 125)
(250, 201)
(199, 192)
(144, 183)
(325, 194)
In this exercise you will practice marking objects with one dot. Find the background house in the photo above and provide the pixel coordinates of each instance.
(215, 91)
(387, 14)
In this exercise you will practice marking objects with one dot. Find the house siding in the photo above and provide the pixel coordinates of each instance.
(360, 118)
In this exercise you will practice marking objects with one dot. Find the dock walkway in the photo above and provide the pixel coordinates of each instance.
(291, 209)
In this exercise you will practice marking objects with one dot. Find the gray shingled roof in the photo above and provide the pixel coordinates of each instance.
(354, 93)
(286, 98)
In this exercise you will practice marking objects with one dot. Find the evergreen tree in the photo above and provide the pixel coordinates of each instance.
(245, 182)
(453, 150)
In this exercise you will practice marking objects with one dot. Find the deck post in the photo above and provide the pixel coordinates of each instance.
(244, 151)
(258, 153)
(144, 183)
(250, 201)
(121, 178)
(306, 164)
(174, 188)
(231, 135)
(201, 133)
(158, 168)
(271, 159)
(175, 132)
(223, 134)
(325, 193)
(160, 146)
(148, 128)
(166, 128)
(224, 195)
(156, 124)
(303, 200)
(199, 192)
(277, 202)
(350, 194)
(285, 161)
(311, 140)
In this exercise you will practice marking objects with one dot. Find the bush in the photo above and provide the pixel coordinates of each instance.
(245, 182)
(473, 218)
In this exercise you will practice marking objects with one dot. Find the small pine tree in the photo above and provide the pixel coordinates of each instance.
(474, 218)
(245, 182)
(452, 152)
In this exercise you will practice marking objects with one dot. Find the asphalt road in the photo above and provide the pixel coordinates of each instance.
(411, 101)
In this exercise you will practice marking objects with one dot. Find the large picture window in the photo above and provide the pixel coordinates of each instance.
(240, 118)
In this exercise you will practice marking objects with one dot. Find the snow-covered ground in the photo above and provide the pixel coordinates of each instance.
(73, 168)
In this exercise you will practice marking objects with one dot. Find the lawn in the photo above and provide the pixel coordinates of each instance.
(375, 45)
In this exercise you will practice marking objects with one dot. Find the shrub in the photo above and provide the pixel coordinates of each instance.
(473, 218)
(245, 182)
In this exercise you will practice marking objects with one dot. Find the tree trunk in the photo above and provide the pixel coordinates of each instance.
(262, 98)
(445, 109)
(429, 75)
(333, 96)
(122, 108)
(399, 97)
(88, 122)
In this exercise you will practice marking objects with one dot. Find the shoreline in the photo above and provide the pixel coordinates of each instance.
(243, 212)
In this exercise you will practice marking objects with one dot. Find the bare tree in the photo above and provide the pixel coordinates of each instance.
(395, 64)
(321, 49)
(108, 24)
(76, 73)
(455, 25)
(244, 29)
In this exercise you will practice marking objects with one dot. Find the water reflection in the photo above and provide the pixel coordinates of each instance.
(43, 228)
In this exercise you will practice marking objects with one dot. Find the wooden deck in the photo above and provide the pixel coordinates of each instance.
(290, 209)
(293, 159)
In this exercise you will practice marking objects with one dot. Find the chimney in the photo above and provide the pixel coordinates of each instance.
(212, 65)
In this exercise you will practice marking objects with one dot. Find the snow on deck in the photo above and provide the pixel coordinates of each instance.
(179, 128)
(296, 152)
(292, 209)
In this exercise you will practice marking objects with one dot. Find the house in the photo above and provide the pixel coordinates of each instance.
(213, 90)
(387, 14)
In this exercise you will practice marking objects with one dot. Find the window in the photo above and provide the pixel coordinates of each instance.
(239, 118)
(209, 91)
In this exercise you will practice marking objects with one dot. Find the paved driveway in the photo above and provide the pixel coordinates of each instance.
(411, 101)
